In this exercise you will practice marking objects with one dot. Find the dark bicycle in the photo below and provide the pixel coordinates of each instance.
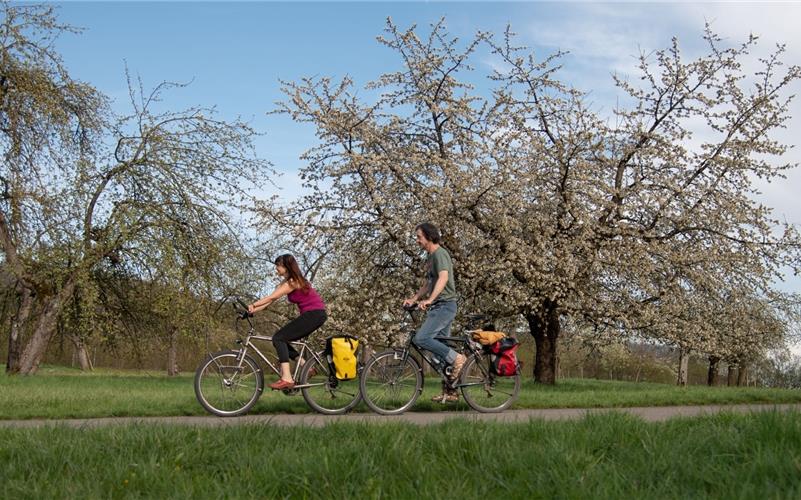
(392, 380)
(228, 383)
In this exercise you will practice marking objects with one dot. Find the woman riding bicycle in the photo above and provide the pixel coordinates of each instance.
(311, 316)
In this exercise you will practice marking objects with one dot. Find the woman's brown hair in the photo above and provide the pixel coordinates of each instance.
(288, 262)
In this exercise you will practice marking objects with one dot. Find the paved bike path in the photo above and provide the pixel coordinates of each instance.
(649, 414)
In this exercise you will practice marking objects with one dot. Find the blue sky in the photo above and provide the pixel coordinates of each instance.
(235, 53)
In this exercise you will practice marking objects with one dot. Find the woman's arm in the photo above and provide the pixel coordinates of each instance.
(282, 289)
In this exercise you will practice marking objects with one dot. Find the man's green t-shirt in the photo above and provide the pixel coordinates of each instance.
(438, 261)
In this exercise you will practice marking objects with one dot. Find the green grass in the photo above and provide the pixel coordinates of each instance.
(602, 456)
(67, 393)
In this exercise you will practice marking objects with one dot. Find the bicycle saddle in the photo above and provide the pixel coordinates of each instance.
(477, 317)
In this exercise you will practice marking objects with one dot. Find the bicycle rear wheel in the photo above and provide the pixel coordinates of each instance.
(227, 388)
(484, 391)
(326, 394)
(390, 384)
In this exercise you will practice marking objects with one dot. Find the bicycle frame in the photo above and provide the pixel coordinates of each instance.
(393, 379)
(301, 344)
(409, 346)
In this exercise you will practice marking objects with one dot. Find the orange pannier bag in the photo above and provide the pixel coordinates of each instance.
(487, 338)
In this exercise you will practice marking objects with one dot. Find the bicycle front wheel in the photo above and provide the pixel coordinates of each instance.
(323, 391)
(391, 382)
(484, 391)
(226, 387)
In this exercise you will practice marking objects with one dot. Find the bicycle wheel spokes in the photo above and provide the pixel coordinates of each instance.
(324, 394)
(390, 385)
(225, 387)
(484, 391)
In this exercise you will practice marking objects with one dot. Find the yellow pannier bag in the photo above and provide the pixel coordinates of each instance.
(341, 350)
(485, 337)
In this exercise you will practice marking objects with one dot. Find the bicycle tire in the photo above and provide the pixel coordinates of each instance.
(327, 395)
(225, 388)
(484, 391)
(385, 383)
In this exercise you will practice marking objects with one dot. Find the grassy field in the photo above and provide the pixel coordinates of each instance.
(66, 393)
(602, 456)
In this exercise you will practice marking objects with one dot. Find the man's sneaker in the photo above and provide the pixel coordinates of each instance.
(451, 397)
(446, 397)
(439, 398)
(458, 364)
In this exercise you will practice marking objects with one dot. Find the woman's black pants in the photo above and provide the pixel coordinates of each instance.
(296, 329)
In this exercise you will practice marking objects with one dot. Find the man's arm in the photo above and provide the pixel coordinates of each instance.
(414, 298)
(439, 286)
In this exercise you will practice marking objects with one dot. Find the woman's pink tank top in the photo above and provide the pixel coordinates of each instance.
(308, 300)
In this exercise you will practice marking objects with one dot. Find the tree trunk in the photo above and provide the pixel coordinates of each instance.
(731, 378)
(81, 353)
(24, 291)
(35, 349)
(18, 323)
(742, 375)
(712, 374)
(558, 365)
(172, 353)
(544, 327)
(684, 361)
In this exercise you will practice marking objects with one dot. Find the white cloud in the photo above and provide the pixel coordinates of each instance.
(772, 22)
(606, 38)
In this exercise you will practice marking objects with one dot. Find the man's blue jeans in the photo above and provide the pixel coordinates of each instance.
(438, 323)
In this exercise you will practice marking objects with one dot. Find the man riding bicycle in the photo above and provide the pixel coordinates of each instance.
(439, 291)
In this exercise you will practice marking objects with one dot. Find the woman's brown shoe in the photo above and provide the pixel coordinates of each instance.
(282, 385)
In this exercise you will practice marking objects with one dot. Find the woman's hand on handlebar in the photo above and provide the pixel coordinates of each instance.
(242, 310)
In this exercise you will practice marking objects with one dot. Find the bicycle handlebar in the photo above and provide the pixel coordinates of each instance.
(241, 313)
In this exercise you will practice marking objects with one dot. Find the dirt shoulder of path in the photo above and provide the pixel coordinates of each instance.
(649, 414)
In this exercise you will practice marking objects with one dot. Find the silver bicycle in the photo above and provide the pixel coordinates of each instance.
(228, 383)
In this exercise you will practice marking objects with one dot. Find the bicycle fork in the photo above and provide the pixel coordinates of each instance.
(240, 359)
(401, 356)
